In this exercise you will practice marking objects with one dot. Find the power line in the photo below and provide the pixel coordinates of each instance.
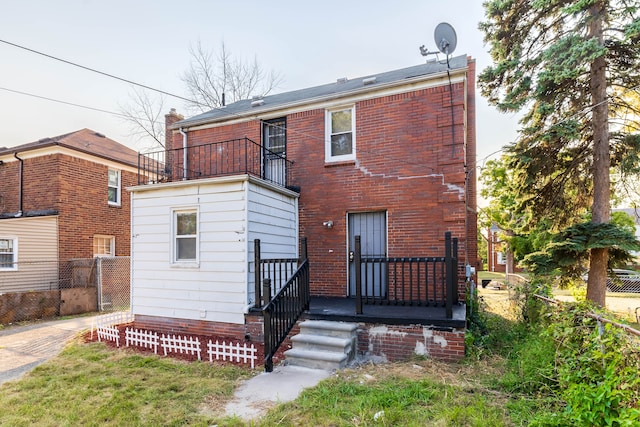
(101, 72)
(113, 113)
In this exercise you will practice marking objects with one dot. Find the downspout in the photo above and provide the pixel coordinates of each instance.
(20, 185)
(184, 154)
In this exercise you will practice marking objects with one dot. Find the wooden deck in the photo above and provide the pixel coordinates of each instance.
(344, 310)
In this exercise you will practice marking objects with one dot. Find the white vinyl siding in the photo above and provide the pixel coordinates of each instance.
(36, 252)
(218, 288)
(273, 219)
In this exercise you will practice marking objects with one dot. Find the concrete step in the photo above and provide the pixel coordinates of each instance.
(328, 328)
(322, 343)
(316, 359)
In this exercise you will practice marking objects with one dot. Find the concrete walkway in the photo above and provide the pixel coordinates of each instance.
(255, 396)
(22, 348)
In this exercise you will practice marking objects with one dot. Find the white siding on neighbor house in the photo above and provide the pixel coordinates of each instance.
(229, 211)
(273, 218)
(37, 249)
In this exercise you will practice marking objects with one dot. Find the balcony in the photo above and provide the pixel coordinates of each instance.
(232, 157)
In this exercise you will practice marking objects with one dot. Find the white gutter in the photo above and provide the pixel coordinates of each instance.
(184, 154)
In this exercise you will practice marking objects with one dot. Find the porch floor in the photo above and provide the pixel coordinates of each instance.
(344, 310)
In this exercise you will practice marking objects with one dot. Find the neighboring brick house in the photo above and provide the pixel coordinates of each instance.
(63, 198)
(388, 157)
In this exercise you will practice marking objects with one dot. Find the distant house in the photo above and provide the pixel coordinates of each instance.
(62, 198)
(387, 160)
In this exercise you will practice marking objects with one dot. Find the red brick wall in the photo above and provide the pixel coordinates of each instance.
(77, 189)
(387, 343)
(410, 163)
(85, 211)
(394, 343)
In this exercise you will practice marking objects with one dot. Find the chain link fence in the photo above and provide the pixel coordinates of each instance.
(41, 289)
(114, 283)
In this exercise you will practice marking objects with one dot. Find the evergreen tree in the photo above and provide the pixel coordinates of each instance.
(566, 65)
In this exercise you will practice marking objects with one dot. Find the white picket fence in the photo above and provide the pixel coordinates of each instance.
(108, 333)
(142, 338)
(182, 345)
(231, 351)
(106, 327)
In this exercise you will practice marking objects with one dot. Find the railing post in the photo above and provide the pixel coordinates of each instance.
(257, 284)
(266, 291)
(455, 270)
(303, 250)
(448, 261)
(305, 280)
(266, 325)
(358, 273)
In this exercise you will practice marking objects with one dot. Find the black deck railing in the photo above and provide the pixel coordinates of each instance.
(231, 157)
(278, 270)
(426, 281)
(282, 292)
(283, 310)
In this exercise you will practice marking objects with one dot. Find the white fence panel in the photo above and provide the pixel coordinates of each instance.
(231, 351)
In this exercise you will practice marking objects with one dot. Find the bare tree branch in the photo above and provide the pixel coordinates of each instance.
(144, 113)
(212, 75)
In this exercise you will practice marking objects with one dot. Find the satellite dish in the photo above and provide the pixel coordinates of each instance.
(445, 37)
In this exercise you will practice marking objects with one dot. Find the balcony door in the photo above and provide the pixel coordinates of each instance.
(274, 137)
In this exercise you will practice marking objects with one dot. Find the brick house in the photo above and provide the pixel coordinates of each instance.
(373, 172)
(62, 198)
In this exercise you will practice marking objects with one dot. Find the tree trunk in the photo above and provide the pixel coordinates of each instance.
(601, 212)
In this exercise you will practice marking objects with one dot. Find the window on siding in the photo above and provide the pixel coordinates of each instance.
(340, 142)
(104, 246)
(8, 254)
(185, 235)
(114, 187)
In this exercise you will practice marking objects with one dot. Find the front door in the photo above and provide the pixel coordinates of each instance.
(274, 133)
(372, 229)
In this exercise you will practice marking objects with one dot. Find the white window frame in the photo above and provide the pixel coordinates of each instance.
(174, 237)
(329, 133)
(117, 202)
(14, 252)
(101, 240)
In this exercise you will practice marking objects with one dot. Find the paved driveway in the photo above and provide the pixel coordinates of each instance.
(22, 348)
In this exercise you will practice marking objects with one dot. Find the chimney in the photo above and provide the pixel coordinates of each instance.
(170, 119)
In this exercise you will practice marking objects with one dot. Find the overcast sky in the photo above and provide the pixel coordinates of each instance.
(308, 42)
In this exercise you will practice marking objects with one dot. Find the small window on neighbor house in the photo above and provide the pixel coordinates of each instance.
(340, 143)
(185, 235)
(8, 254)
(104, 246)
(114, 187)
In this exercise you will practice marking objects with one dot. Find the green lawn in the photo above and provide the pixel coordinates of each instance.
(94, 385)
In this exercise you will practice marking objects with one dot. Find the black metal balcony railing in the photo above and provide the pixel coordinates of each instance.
(232, 157)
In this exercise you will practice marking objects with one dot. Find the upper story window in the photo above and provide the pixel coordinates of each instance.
(8, 254)
(104, 246)
(340, 139)
(114, 187)
(185, 236)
